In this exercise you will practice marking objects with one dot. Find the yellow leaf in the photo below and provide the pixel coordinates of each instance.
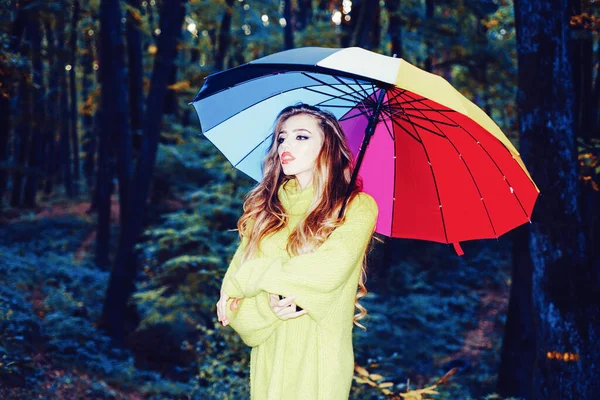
(385, 391)
(361, 370)
(134, 12)
(412, 395)
(180, 86)
(418, 394)
(375, 377)
(386, 384)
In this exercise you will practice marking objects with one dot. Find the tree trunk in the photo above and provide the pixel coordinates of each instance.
(73, 92)
(375, 32)
(122, 279)
(98, 193)
(482, 67)
(288, 30)
(587, 127)
(224, 36)
(596, 96)
(136, 74)
(17, 30)
(114, 124)
(565, 284)
(171, 103)
(52, 116)
(348, 25)
(518, 345)
(22, 123)
(581, 54)
(394, 27)
(90, 133)
(101, 197)
(365, 32)
(64, 152)
(171, 100)
(429, 8)
(38, 120)
(303, 14)
(5, 127)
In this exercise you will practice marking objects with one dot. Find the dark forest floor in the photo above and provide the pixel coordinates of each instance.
(429, 311)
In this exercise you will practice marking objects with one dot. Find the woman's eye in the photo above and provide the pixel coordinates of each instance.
(299, 137)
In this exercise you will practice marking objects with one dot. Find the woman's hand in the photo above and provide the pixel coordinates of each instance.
(222, 307)
(285, 308)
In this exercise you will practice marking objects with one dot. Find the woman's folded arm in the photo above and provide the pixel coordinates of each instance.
(254, 319)
(314, 278)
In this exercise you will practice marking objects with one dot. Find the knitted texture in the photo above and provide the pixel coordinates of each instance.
(311, 356)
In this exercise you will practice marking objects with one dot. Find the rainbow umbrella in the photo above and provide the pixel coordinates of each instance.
(439, 168)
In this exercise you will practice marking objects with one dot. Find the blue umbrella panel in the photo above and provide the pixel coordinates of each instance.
(238, 119)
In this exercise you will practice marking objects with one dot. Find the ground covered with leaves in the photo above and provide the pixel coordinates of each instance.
(429, 310)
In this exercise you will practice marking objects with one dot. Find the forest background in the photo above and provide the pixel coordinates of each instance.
(116, 215)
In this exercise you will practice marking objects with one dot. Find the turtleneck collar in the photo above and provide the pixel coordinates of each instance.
(295, 200)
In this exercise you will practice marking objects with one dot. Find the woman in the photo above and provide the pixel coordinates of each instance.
(300, 250)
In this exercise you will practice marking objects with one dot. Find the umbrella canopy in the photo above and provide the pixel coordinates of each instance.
(439, 168)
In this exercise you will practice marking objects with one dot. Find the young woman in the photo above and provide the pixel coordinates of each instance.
(293, 245)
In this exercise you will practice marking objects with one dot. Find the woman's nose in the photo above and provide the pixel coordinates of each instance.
(285, 146)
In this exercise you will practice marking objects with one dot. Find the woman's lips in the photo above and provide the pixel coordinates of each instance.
(286, 157)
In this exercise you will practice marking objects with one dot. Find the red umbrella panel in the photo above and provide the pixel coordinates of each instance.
(436, 174)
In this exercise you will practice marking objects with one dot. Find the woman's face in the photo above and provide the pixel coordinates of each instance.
(299, 142)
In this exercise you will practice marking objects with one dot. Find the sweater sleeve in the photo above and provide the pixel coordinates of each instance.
(254, 319)
(226, 284)
(315, 278)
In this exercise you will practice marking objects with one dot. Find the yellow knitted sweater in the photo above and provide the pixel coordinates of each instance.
(309, 357)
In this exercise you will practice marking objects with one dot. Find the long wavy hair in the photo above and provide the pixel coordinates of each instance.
(264, 214)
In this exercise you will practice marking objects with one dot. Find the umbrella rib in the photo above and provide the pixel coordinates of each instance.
(267, 98)
(358, 114)
(437, 191)
(362, 88)
(393, 137)
(405, 130)
(400, 92)
(406, 118)
(428, 119)
(494, 161)
(254, 148)
(394, 194)
(500, 170)
(349, 87)
(427, 109)
(333, 105)
(326, 84)
(469, 170)
(390, 131)
(329, 94)
(357, 105)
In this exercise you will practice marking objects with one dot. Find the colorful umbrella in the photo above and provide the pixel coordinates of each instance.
(439, 168)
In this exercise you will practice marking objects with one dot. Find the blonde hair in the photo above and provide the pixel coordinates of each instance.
(264, 213)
